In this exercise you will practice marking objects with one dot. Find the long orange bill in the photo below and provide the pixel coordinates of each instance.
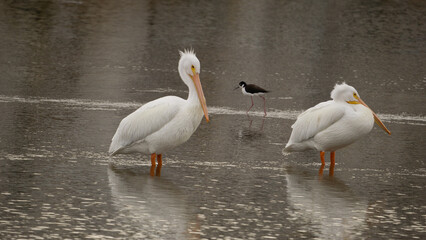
(197, 83)
(376, 118)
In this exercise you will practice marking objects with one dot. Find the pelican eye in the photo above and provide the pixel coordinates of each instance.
(193, 70)
(355, 95)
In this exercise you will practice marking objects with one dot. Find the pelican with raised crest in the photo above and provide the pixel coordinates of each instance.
(166, 122)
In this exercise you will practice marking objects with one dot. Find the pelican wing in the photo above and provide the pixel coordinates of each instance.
(148, 119)
(315, 120)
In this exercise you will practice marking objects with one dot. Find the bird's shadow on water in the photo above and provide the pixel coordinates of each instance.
(259, 128)
(132, 171)
(327, 204)
(313, 163)
(312, 174)
(253, 128)
(136, 169)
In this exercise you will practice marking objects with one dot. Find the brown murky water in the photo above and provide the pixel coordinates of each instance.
(71, 70)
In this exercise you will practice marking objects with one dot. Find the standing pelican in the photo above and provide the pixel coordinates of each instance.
(333, 124)
(166, 122)
(253, 90)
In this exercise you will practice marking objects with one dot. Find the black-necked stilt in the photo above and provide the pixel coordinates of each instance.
(253, 90)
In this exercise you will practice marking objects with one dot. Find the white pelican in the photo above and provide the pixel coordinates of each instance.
(253, 90)
(166, 122)
(333, 124)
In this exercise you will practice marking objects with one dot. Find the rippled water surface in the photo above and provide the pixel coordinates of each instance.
(71, 70)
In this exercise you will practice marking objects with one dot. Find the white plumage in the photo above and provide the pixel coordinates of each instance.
(166, 122)
(333, 124)
(311, 122)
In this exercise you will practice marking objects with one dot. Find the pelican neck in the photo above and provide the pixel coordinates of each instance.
(192, 95)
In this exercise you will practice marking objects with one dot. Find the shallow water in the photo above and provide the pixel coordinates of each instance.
(71, 70)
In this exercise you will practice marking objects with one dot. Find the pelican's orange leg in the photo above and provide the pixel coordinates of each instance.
(152, 164)
(160, 164)
(159, 160)
(322, 163)
(332, 162)
(153, 159)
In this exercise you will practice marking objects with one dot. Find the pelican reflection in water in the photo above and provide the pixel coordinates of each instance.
(150, 208)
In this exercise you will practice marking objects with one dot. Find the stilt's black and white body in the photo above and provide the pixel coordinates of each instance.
(253, 90)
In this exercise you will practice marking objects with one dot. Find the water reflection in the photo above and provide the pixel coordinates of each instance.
(326, 205)
(332, 164)
(72, 69)
(250, 120)
(153, 207)
(155, 170)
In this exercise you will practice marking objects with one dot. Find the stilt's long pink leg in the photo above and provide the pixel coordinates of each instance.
(264, 105)
(252, 103)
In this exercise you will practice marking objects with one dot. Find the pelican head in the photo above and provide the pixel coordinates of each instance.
(189, 70)
(345, 93)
